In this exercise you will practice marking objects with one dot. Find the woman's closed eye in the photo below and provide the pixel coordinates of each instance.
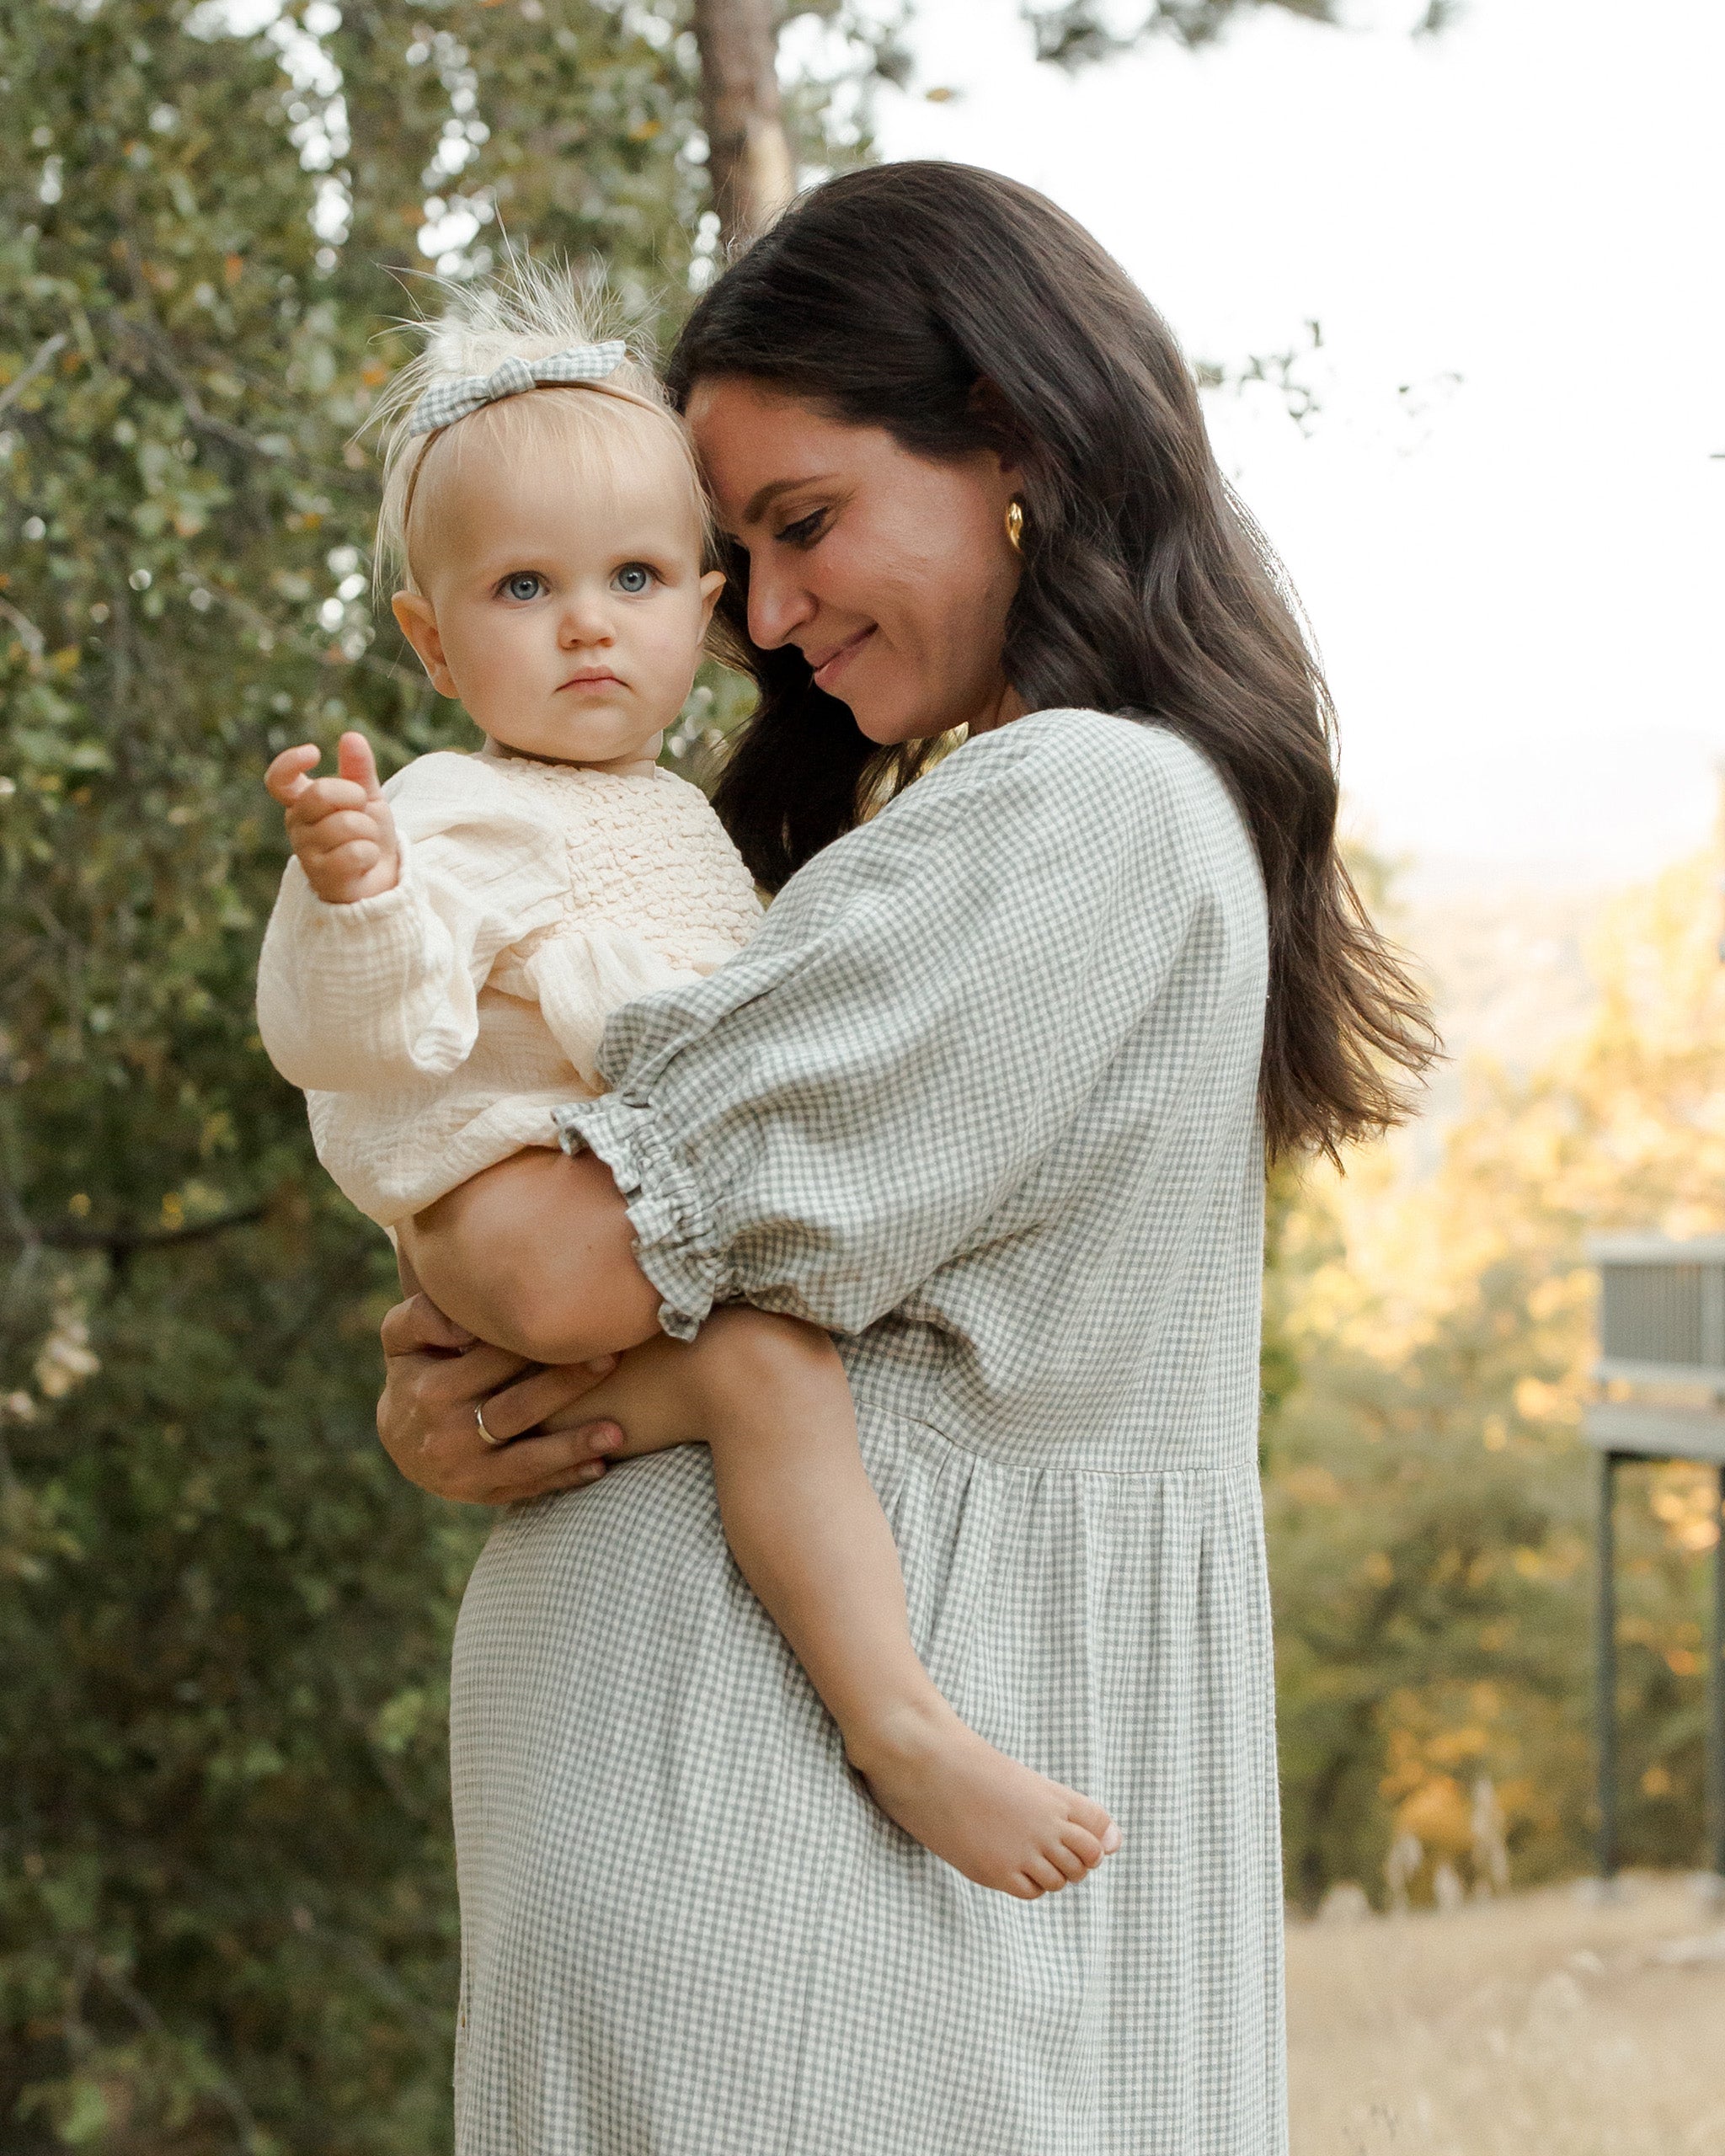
(806, 530)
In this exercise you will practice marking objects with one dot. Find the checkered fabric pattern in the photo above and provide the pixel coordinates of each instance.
(445, 402)
(980, 1098)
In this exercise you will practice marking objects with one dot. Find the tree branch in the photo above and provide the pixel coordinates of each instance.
(120, 1243)
(45, 357)
(33, 641)
(108, 1972)
(159, 353)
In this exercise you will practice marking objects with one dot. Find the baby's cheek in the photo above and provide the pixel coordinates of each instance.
(495, 670)
(679, 646)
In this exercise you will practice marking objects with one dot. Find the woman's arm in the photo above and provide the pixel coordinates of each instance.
(536, 1257)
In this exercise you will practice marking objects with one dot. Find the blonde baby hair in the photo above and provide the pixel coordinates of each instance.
(528, 311)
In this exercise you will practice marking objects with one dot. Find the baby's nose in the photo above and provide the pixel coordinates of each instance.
(587, 621)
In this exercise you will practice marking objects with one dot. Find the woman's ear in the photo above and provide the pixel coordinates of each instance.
(417, 620)
(988, 403)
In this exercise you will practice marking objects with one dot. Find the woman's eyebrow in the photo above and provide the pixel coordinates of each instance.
(762, 501)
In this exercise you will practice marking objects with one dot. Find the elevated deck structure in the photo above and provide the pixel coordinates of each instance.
(1661, 1371)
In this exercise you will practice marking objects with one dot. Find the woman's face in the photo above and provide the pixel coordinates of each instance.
(891, 574)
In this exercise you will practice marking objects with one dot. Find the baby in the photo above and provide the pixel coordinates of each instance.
(446, 950)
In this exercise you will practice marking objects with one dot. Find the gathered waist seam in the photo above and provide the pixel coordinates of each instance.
(1244, 1462)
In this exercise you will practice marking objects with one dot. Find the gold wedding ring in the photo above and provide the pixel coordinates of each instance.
(479, 1417)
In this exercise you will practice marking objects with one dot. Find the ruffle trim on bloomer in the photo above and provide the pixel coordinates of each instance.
(676, 1243)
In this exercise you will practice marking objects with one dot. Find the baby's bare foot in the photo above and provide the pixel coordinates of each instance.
(994, 1820)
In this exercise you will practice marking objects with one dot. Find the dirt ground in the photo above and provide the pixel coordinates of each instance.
(1548, 2024)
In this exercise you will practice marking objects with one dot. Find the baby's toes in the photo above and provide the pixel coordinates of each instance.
(1090, 1817)
(1023, 1888)
(1084, 1846)
(1045, 1872)
(1067, 1861)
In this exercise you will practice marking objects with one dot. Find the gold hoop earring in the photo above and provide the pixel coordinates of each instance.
(1015, 526)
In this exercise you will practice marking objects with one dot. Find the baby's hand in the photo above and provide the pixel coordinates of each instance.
(340, 828)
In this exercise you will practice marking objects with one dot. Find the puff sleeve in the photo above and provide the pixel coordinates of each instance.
(363, 997)
(848, 1106)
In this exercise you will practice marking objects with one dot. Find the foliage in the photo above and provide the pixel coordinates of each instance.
(225, 1907)
(1431, 1505)
(1074, 34)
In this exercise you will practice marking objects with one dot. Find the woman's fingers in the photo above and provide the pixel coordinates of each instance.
(445, 1383)
(585, 1443)
(535, 1398)
(437, 1374)
(419, 1323)
(535, 1467)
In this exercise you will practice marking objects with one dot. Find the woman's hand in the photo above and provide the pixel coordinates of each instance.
(438, 1374)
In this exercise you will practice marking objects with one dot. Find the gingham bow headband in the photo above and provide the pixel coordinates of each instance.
(445, 402)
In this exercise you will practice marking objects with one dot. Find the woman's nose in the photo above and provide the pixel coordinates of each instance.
(778, 602)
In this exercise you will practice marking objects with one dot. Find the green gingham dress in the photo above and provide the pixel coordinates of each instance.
(980, 1099)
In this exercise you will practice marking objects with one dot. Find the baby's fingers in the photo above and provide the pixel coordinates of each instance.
(357, 765)
(338, 828)
(319, 797)
(285, 777)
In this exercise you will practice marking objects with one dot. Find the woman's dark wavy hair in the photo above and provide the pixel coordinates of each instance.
(960, 311)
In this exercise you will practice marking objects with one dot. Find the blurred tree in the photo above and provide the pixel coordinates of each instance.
(748, 153)
(1429, 1501)
(1075, 32)
(225, 1908)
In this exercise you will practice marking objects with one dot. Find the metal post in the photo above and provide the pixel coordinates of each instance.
(1716, 1694)
(1605, 1669)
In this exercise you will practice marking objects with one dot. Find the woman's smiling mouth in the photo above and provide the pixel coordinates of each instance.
(827, 669)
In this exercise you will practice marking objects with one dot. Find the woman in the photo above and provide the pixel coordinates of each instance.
(988, 1098)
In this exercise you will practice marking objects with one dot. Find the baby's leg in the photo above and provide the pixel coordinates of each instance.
(498, 1254)
(770, 1398)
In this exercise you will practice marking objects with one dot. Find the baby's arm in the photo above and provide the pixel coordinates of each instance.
(383, 935)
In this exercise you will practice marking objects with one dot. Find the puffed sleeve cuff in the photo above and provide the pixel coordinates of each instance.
(676, 1243)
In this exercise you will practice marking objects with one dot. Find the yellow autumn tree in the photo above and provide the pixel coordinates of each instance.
(1430, 1500)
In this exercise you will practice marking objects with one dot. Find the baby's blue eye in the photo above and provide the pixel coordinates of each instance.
(526, 585)
(634, 578)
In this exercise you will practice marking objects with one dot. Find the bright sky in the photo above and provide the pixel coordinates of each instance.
(1514, 579)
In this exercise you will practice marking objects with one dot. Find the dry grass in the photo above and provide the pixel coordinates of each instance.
(1542, 2025)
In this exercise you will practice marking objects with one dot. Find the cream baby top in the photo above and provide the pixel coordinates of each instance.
(434, 1027)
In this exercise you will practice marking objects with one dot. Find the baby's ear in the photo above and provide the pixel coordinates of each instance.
(417, 620)
(711, 585)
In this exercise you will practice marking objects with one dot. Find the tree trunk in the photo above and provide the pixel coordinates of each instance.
(748, 153)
